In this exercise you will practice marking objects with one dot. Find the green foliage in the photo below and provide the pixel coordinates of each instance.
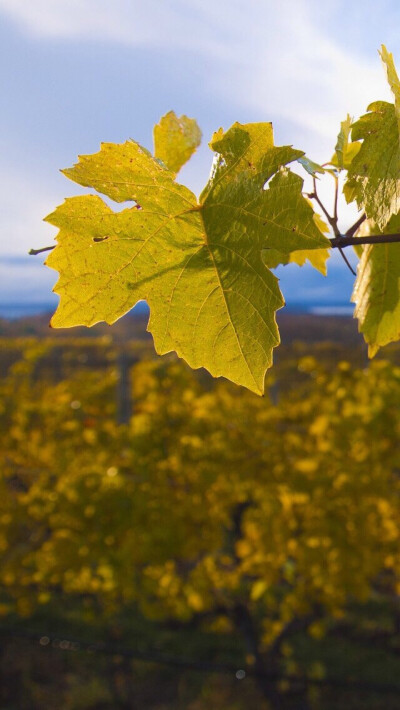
(204, 266)
(148, 513)
(208, 500)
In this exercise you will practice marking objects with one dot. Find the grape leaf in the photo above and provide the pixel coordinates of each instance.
(345, 151)
(175, 140)
(197, 264)
(374, 173)
(377, 291)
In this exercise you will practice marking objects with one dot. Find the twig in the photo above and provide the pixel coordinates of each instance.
(335, 201)
(332, 220)
(314, 195)
(33, 252)
(346, 261)
(352, 230)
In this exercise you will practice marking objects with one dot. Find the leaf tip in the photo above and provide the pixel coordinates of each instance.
(372, 350)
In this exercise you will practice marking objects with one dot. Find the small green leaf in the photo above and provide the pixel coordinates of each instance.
(350, 152)
(344, 150)
(393, 79)
(377, 291)
(342, 141)
(175, 140)
(309, 165)
(350, 191)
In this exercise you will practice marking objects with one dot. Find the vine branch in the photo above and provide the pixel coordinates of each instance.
(346, 261)
(352, 230)
(33, 252)
(347, 241)
(332, 220)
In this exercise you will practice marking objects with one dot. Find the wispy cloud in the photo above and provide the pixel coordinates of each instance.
(288, 65)
(267, 60)
(133, 22)
(261, 56)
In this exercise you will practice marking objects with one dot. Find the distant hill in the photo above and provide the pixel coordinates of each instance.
(306, 327)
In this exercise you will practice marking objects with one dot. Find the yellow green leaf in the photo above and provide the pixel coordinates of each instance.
(376, 291)
(344, 150)
(393, 79)
(175, 140)
(198, 264)
(374, 173)
(258, 589)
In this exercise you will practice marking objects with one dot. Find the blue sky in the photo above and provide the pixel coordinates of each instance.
(78, 72)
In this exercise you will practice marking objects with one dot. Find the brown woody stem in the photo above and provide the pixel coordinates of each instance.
(343, 241)
(346, 261)
(352, 230)
(33, 252)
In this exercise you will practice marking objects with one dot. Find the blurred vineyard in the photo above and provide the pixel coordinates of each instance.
(169, 541)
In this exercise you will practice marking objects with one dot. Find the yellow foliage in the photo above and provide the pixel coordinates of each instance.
(146, 512)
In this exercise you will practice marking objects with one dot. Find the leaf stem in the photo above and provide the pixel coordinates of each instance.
(346, 261)
(332, 220)
(33, 252)
(335, 201)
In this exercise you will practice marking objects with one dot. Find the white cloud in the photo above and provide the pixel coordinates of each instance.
(287, 65)
(264, 58)
(276, 59)
(152, 23)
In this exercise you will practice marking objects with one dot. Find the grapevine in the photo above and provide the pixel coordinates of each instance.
(205, 266)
